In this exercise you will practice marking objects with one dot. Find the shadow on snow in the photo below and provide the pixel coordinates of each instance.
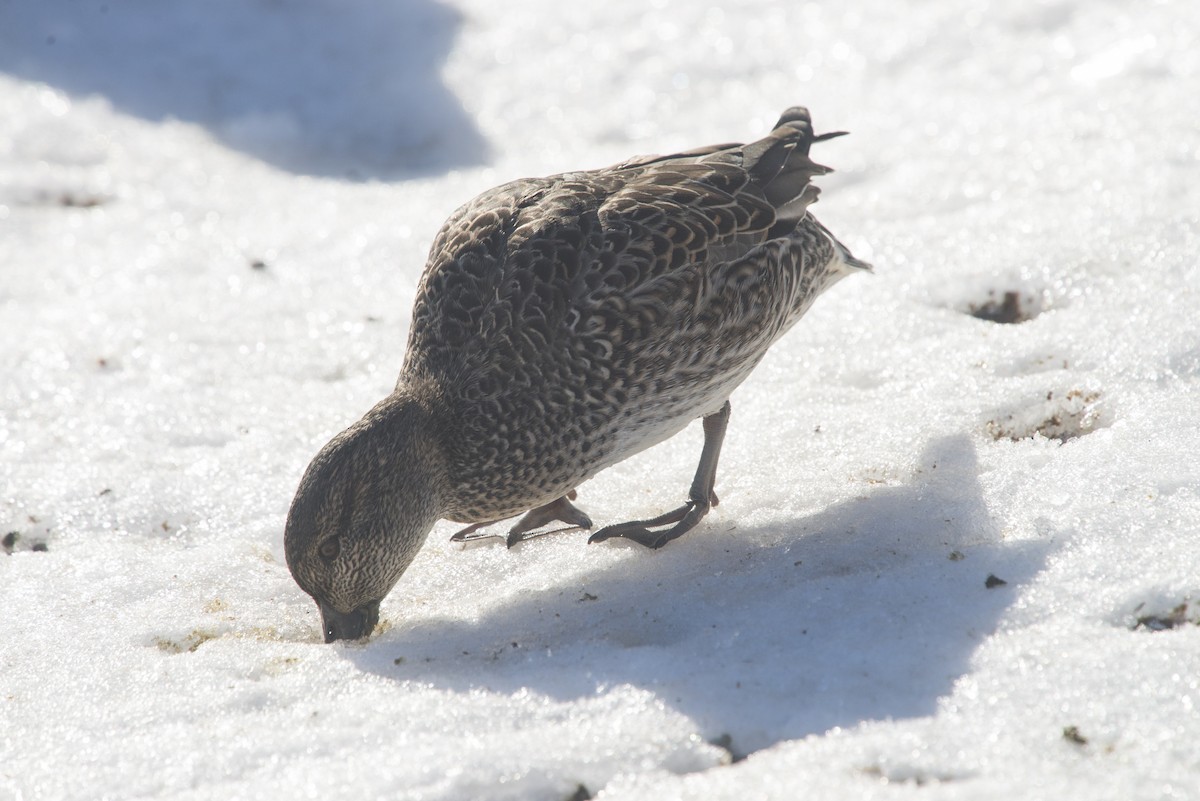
(349, 89)
(868, 610)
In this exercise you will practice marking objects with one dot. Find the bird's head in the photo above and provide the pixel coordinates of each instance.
(362, 511)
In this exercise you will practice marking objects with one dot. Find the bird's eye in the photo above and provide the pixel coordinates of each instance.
(330, 548)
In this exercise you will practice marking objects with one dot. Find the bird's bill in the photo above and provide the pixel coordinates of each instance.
(349, 625)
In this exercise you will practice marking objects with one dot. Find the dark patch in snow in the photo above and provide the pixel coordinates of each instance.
(1060, 416)
(581, 794)
(1072, 735)
(80, 200)
(993, 581)
(1176, 617)
(12, 541)
(187, 644)
(65, 198)
(1009, 308)
(911, 775)
(725, 743)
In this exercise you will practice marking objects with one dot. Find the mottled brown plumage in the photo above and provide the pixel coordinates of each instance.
(563, 324)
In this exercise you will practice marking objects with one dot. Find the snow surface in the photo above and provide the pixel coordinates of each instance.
(212, 220)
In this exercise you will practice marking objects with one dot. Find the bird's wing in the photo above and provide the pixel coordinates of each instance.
(604, 262)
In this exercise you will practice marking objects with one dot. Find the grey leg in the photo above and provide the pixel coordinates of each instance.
(701, 496)
(561, 509)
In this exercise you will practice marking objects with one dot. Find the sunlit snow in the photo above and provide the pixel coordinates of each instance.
(957, 554)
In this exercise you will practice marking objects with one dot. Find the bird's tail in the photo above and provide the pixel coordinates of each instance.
(780, 164)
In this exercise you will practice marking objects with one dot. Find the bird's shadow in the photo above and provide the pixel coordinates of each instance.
(350, 89)
(868, 610)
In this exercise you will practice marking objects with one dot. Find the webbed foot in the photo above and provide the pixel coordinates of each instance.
(640, 531)
(701, 496)
(527, 527)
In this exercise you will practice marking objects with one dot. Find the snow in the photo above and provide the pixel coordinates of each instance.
(212, 220)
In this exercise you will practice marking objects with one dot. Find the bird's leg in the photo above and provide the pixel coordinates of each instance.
(467, 534)
(701, 497)
(561, 509)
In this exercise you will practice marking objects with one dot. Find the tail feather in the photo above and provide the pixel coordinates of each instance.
(779, 168)
(780, 164)
(788, 182)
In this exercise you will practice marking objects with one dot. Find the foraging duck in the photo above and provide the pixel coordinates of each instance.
(564, 324)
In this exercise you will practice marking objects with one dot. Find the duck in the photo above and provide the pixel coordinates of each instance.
(561, 325)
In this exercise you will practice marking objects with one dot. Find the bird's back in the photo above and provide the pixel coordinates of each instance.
(565, 323)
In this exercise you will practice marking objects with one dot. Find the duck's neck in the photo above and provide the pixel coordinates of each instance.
(408, 453)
